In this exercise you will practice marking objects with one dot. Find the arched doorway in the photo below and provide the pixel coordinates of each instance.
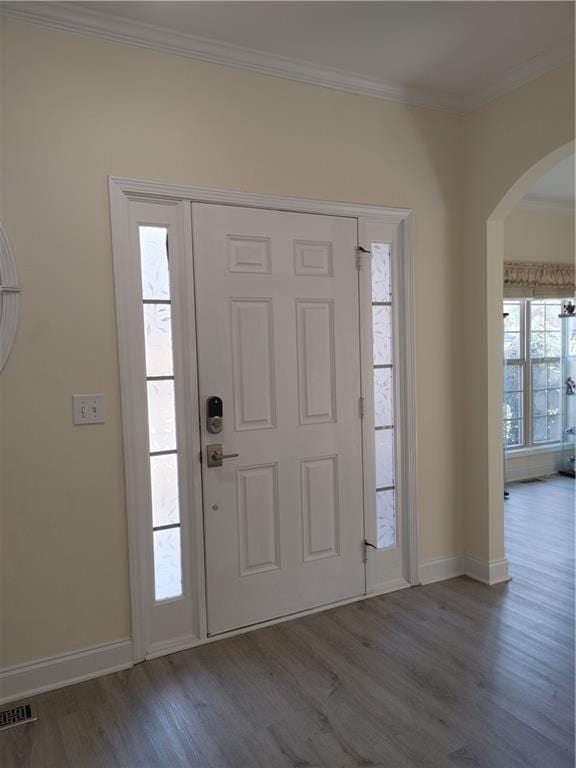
(495, 264)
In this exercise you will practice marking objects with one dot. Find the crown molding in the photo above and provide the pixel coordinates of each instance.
(530, 70)
(73, 18)
(70, 17)
(547, 204)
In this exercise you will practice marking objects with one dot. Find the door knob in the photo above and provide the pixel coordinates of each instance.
(215, 457)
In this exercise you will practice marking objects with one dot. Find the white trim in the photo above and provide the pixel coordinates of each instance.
(520, 75)
(9, 298)
(398, 233)
(513, 453)
(153, 621)
(142, 189)
(48, 674)
(122, 193)
(493, 572)
(547, 205)
(441, 568)
(72, 17)
(134, 475)
(409, 401)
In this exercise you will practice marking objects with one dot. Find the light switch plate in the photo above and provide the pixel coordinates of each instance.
(88, 409)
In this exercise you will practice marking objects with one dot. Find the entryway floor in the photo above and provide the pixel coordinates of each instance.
(451, 674)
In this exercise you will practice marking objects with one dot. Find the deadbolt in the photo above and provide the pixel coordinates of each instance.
(214, 415)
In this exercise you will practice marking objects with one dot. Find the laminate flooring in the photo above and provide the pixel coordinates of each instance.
(447, 675)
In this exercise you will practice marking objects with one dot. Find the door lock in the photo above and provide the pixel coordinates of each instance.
(214, 415)
(215, 457)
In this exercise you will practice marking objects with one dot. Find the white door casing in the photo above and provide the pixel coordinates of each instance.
(277, 326)
(126, 196)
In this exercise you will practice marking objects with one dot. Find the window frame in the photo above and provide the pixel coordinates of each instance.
(526, 363)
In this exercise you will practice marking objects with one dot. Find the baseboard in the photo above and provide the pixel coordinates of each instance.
(441, 568)
(488, 572)
(48, 674)
(27, 680)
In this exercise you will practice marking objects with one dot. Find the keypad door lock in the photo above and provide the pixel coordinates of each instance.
(214, 421)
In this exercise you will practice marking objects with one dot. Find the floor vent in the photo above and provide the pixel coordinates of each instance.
(17, 716)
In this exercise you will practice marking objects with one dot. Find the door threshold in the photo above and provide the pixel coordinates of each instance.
(288, 616)
(186, 643)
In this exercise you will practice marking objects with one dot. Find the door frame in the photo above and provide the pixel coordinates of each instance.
(399, 223)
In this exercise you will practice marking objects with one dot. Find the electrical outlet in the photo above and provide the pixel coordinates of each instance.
(88, 409)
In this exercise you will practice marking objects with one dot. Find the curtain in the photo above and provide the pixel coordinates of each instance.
(525, 279)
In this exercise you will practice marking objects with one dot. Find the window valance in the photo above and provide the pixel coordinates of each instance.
(525, 279)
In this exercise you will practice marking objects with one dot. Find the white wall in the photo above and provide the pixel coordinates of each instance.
(76, 110)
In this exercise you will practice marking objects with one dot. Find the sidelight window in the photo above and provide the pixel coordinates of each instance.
(383, 371)
(162, 438)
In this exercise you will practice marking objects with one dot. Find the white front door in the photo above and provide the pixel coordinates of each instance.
(278, 343)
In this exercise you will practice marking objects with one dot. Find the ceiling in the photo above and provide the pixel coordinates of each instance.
(448, 55)
(555, 188)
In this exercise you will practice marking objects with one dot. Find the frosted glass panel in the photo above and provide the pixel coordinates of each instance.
(384, 441)
(158, 339)
(161, 420)
(386, 519)
(383, 397)
(164, 476)
(381, 272)
(382, 330)
(167, 564)
(154, 263)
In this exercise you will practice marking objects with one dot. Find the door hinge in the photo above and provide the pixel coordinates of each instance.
(361, 407)
(360, 254)
(368, 545)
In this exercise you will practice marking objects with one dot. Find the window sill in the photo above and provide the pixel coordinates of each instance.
(534, 450)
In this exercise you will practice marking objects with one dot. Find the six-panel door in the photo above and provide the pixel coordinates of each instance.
(278, 341)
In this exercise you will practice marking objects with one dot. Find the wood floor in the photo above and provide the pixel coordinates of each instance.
(451, 674)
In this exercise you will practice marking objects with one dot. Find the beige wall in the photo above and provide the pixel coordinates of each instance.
(539, 235)
(77, 109)
(502, 141)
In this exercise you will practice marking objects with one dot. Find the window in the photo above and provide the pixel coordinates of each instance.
(532, 414)
(383, 362)
(157, 305)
